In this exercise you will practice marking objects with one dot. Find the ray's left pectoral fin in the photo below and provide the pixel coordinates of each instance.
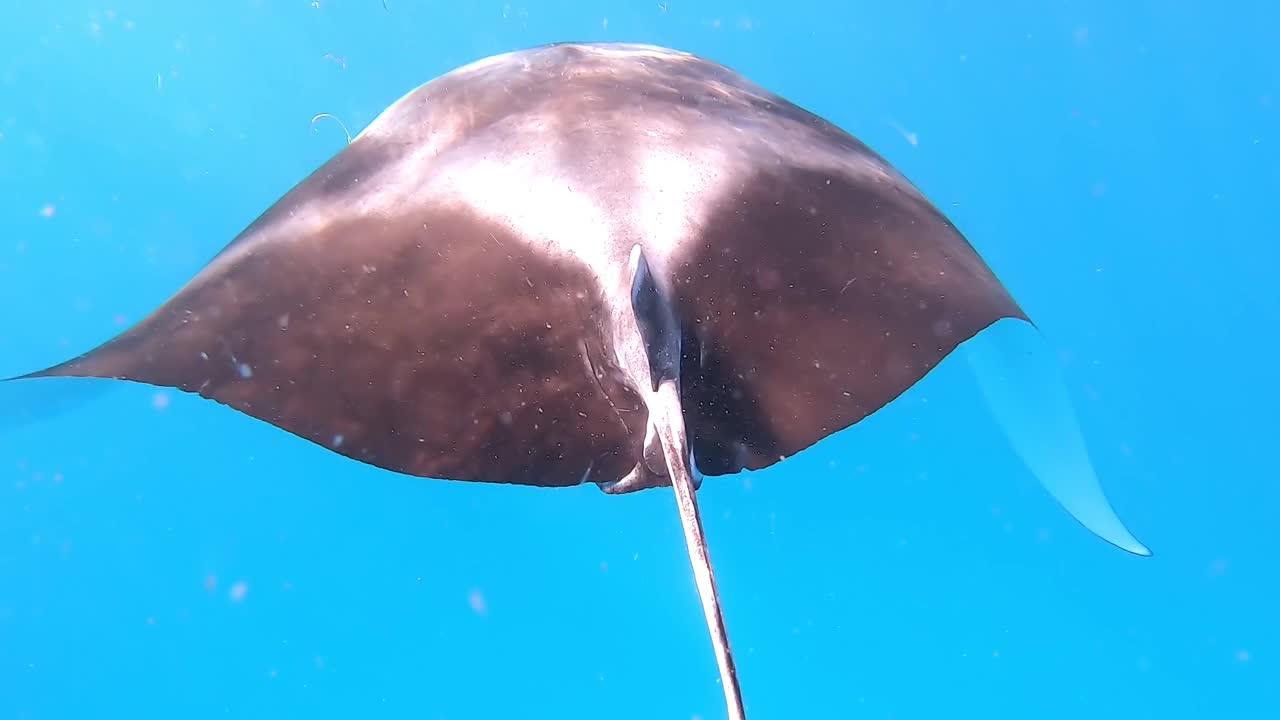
(812, 300)
(816, 298)
(1025, 390)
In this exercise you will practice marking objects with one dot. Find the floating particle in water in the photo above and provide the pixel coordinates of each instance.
(238, 591)
(210, 582)
(48, 210)
(335, 119)
(478, 605)
(1243, 656)
(160, 401)
(336, 58)
(912, 139)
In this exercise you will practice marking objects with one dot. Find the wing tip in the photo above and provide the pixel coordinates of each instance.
(1027, 394)
(24, 404)
(1142, 551)
(1127, 543)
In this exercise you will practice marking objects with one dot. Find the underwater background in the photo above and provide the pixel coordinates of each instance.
(1116, 163)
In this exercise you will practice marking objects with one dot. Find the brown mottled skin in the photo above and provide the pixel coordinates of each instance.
(430, 340)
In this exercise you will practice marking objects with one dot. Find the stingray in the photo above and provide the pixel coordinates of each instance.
(599, 263)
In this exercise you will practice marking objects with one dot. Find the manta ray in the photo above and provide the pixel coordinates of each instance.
(600, 263)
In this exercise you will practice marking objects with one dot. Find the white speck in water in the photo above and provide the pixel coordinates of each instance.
(478, 604)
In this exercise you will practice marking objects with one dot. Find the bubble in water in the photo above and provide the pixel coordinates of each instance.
(477, 603)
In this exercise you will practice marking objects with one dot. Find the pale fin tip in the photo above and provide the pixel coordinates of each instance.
(1026, 392)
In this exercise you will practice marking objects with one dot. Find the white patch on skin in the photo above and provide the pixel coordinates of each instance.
(654, 184)
(550, 212)
(679, 187)
(386, 124)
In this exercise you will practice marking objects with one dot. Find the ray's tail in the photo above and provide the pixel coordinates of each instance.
(670, 426)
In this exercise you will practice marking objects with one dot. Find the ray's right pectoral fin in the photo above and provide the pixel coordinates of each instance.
(38, 400)
(432, 343)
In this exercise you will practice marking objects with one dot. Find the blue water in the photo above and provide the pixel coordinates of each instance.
(1115, 163)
